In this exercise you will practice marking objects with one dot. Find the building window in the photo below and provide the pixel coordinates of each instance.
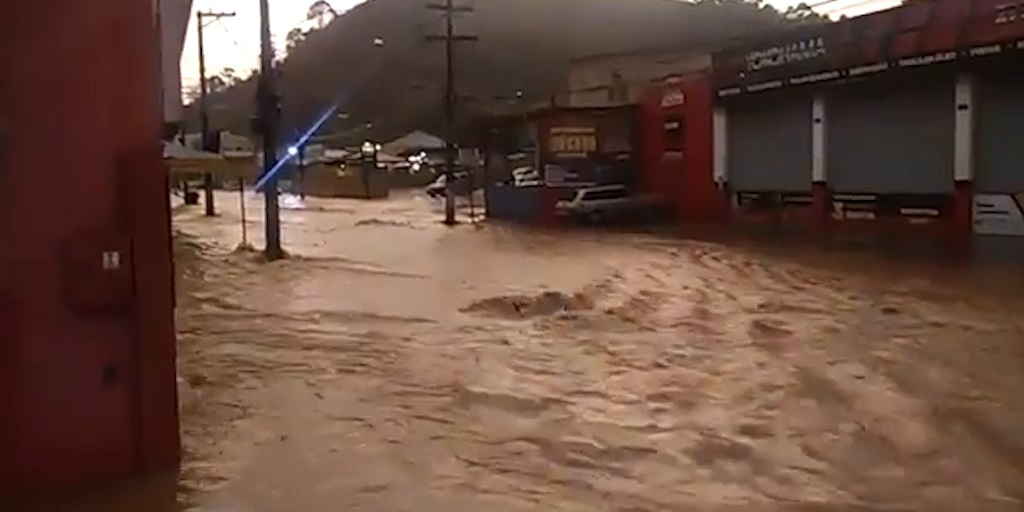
(620, 89)
(675, 135)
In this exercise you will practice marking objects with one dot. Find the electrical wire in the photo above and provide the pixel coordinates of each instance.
(832, 7)
(231, 37)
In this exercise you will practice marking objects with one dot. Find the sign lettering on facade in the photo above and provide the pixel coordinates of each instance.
(999, 214)
(878, 67)
(673, 98)
(980, 51)
(1009, 12)
(574, 142)
(869, 69)
(925, 60)
(782, 55)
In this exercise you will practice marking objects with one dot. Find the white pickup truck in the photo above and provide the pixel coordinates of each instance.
(605, 202)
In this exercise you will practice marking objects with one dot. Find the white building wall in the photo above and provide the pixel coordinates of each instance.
(617, 79)
(173, 20)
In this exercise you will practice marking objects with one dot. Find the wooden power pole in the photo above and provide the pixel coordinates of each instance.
(449, 10)
(269, 112)
(204, 109)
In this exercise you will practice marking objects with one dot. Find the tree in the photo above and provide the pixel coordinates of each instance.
(214, 84)
(803, 13)
(321, 12)
(229, 77)
(294, 38)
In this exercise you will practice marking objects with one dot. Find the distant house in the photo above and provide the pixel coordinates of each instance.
(230, 145)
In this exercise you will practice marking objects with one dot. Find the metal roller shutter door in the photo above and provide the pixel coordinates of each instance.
(892, 142)
(999, 129)
(769, 148)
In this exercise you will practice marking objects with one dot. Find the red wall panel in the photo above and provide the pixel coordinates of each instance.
(91, 395)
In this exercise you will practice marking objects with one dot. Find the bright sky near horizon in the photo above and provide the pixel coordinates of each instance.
(234, 42)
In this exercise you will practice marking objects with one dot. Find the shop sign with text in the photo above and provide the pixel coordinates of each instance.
(673, 98)
(572, 142)
(786, 54)
(873, 68)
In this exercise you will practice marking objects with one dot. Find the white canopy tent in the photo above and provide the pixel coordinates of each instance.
(414, 141)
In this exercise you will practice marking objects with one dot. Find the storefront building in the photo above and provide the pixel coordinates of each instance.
(905, 120)
(567, 149)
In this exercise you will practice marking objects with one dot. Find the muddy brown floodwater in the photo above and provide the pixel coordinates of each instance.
(393, 364)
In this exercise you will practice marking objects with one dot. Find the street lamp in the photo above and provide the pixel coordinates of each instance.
(369, 161)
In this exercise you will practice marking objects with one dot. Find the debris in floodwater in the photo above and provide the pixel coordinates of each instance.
(523, 306)
(244, 248)
(384, 223)
(291, 202)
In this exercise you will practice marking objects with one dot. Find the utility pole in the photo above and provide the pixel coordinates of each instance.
(204, 112)
(450, 10)
(269, 111)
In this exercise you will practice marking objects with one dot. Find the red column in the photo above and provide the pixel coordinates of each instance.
(821, 207)
(701, 199)
(959, 225)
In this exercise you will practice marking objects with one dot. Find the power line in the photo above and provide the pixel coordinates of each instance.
(820, 4)
(856, 4)
(227, 32)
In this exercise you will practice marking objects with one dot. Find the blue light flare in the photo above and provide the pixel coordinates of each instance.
(330, 112)
(303, 139)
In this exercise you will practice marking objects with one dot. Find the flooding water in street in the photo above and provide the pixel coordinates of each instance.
(394, 364)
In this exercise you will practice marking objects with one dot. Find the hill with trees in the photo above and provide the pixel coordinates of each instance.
(524, 45)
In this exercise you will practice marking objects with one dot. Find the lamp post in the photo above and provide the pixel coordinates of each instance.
(369, 161)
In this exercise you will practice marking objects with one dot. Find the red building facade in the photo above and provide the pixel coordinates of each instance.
(906, 120)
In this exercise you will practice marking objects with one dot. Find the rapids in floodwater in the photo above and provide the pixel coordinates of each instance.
(393, 364)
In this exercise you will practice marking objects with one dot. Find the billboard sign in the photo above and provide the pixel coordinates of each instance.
(572, 142)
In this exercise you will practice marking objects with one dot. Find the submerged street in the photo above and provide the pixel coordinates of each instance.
(393, 364)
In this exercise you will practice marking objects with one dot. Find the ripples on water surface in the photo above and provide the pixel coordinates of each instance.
(395, 365)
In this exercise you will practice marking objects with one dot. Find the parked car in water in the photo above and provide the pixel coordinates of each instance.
(462, 185)
(525, 177)
(603, 203)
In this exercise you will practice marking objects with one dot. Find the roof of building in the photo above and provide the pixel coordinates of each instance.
(417, 140)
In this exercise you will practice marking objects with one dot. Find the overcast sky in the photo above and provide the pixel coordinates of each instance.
(234, 42)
